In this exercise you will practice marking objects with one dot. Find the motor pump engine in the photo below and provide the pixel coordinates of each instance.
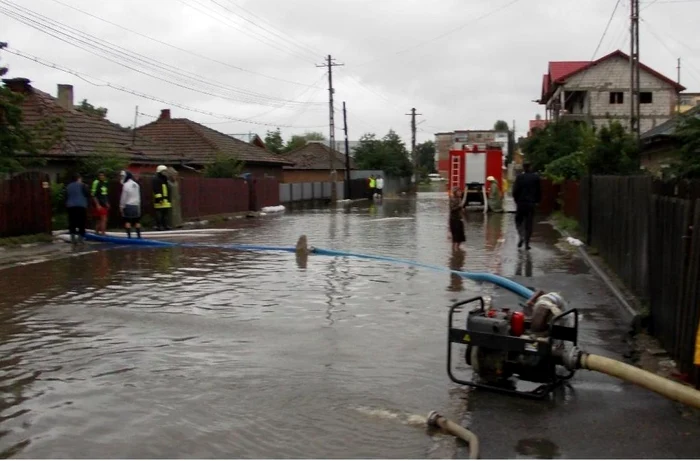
(504, 344)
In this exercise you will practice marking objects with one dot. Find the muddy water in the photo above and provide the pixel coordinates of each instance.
(207, 353)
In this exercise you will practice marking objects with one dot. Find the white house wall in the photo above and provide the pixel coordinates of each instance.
(614, 75)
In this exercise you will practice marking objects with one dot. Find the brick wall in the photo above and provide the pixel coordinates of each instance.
(443, 144)
(613, 75)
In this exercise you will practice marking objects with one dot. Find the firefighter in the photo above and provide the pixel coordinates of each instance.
(161, 198)
(495, 200)
(100, 197)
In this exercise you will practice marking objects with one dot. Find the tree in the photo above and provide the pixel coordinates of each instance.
(388, 154)
(274, 141)
(86, 107)
(552, 142)
(426, 156)
(224, 166)
(500, 126)
(687, 133)
(298, 141)
(20, 145)
(107, 159)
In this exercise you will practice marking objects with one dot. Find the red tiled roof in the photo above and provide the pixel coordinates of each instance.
(201, 144)
(560, 69)
(86, 134)
(314, 156)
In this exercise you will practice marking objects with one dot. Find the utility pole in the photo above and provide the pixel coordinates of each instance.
(347, 153)
(679, 82)
(331, 121)
(133, 131)
(635, 118)
(413, 141)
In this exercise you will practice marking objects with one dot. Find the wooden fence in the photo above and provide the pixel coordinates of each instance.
(209, 196)
(25, 205)
(648, 232)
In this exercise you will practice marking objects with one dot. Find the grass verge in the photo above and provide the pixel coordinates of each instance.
(25, 239)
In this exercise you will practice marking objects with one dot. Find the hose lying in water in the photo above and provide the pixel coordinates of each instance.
(435, 419)
(665, 387)
(301, 247)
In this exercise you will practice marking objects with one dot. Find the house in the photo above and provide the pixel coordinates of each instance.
(536, 124)
(598, 91)
(201, 144)
(340, 146)
(85, 134)
(312, 163)
(687, 101)
(443, 145)
(659, 148)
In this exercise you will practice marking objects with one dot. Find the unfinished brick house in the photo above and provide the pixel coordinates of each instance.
(85, 134)
(312, 163)
(200, 145)
(597, 91)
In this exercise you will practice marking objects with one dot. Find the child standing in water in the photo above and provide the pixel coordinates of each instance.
(456, 215)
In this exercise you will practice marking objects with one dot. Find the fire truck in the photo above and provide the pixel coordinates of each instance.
(470, 166)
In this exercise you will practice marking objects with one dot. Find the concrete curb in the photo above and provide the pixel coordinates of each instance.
(612, 286)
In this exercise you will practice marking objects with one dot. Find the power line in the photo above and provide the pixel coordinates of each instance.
(606, 30)
(177, 76)
(191, 53)
(85, 77)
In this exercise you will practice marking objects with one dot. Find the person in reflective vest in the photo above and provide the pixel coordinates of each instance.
(100, 197)
(372, 186)
(161, 198)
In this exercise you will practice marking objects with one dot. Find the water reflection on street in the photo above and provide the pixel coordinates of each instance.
(178, 352)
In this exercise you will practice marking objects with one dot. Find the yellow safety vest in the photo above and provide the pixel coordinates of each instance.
(372, 183)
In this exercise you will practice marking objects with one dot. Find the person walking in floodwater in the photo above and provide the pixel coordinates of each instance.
(495, 199)
(456, 218)
(130, 203)
(527, 194)
(77, 198)
(100, 194)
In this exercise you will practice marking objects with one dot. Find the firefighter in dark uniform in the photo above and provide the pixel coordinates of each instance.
(161, 198)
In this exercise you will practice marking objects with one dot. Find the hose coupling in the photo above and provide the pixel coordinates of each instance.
(572, 359)
(433, 418)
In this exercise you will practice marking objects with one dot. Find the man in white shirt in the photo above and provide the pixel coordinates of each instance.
(130, 203)
(380, 186)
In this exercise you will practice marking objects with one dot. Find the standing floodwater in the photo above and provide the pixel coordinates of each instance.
(207, 353)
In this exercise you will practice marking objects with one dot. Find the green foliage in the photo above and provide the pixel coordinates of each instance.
(388, 154)
(568, 150)
(224, 166)
(565, 223)
(688, 134)
(298, 141)
(19, 145)
(106, 159)
(501, 125)
(25, 239)
(274, 141)
(426, 156)
(86, 107)
(58, 197)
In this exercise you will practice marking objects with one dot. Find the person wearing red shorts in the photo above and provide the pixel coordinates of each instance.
(100, 197)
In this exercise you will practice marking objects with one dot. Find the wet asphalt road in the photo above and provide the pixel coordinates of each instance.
(188, 353)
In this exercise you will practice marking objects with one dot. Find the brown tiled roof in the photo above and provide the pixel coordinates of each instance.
(201, 144)
(314, 156)
(86, 134)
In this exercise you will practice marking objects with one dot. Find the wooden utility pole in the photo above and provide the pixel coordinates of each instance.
(635, 116)
(414, 156)
(331, 121)
(133, 131)
(679, 82)
(347, 154)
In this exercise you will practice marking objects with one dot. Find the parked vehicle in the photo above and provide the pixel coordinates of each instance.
(470, 166)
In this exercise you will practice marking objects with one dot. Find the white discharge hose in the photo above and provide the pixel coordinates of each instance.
(435, 419)
(667, 388)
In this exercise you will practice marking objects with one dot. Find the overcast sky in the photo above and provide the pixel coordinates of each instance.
(463, 64)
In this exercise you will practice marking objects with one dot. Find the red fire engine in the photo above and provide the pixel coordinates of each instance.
(470, 166)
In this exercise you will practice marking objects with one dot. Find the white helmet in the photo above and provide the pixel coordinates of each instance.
(161, 168)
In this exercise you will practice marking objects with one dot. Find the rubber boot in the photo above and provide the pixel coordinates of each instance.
(73, 239)
(138, 232)
(128, 232)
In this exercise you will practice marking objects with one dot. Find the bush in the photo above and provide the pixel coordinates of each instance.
(224, 166)
(572, 166)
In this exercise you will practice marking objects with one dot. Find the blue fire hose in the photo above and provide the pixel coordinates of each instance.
(502, 282)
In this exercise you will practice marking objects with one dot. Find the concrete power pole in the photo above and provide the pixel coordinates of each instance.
(635, 116)
(414, 156)
(331, 121)
(679, 82)
(347, 154)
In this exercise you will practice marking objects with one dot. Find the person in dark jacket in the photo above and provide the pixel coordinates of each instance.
(77, 197)
(161, 198)
(526, 194)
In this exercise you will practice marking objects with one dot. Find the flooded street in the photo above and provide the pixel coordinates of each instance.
(205, 353)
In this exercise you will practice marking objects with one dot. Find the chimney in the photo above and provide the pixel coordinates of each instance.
(164, 114)
(17, 85)
(65, 96)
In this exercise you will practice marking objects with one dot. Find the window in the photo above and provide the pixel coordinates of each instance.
(617, 97)
(645, 97)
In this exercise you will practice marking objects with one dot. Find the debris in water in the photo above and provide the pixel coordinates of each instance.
(273, 209)
(574, 242)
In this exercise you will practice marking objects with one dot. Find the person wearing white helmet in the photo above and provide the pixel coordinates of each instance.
(495, 199)
(161, 197)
